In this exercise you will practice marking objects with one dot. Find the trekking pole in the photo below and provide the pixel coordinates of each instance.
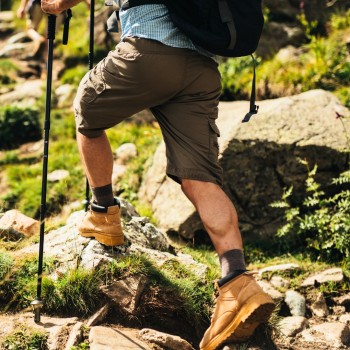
(38, 303)
(91, 64)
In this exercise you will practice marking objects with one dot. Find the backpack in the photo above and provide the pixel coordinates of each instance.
(229, 28)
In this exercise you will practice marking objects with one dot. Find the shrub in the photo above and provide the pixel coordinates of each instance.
(17, 126)
(321, 224)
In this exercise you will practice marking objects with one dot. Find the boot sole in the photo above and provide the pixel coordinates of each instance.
(106, 240)
(257, 310)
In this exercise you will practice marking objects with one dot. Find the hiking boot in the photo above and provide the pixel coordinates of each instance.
(240, 307)
(103, 224)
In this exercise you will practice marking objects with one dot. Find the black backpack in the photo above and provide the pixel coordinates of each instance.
(229, 28)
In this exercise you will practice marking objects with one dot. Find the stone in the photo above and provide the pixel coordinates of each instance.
(319, 307)
(268, 150)
(330, 275)
(279, 268)
(98, 316)
(126, 293)
(75, 336)
(269, 289)
(344, 300)
(118, 172)
(57, 175)
(345, 318)
(64, 94)
(125, 152)
(279, 282)
(28, 90)
(296, 303)
(292, 325)
(332, 334)
(167, 341)
(106, 338)
(14, 223)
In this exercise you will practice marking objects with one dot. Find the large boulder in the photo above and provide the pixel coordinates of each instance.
(260, 159)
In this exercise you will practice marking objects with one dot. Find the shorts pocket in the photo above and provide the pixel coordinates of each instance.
(214, 133)
(94, 84)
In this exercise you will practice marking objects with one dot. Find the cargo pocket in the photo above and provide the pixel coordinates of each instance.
(95, 84)
(214, 133)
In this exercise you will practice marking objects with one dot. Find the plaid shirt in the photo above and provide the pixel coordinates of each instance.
(153, 22)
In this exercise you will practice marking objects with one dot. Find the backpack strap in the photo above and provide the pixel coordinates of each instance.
(126, 4)
(253, 107)
(226, 17)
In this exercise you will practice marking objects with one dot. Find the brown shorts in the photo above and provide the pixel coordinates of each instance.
(179, 86)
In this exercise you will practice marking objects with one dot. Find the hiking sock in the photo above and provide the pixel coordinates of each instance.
(103, 195)
(232, 265)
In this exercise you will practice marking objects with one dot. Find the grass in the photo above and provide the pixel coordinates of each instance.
(25, 338)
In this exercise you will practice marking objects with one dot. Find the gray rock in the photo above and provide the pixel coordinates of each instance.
(28, 91)
(279, 268)
(167, 341)
(330, 275)
(125, 152)
(269, 289)
(57, 175)
(319, 307)
(292, 325)
(98, 316)
(105, 338)
(75, 336)
(267, 149)
(332, 334)
(296, 303)
(126, 293)
(279, 282)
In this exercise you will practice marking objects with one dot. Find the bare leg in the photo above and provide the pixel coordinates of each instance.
(217, 212)
(97, 158)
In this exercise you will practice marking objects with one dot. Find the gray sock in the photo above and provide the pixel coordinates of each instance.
(103, 195)
(231, 261)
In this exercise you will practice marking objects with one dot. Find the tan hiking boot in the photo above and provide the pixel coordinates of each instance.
(103, 224)
(240, 307)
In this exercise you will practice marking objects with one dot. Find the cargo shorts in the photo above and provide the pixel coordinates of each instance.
(179, 86)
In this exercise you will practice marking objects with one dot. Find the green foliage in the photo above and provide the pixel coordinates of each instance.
(7, 72)
(6, 263)
(75, 292)
(74, 75)
(17, 126)
(25, 338)
(321, 224)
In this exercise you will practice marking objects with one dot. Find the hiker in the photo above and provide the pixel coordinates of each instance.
(32, 10)
(156, 66)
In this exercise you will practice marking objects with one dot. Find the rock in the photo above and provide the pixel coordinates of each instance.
(290, 326)
(13, 50)
(280, 268)
(345, 318)
(21, 37)
(126, 293)
(344, 300)
(28, 91)
(75, 336)
(332, 334)
(57, 175)
(64, 94)
(125, 152)
(267, 149)
(167, 341)
(279, 282)
(118, 172)
(330, 275)
(274, 293)
(319, 307)
(15, 224)
(98, 316)
(105, 338)
(296, 303)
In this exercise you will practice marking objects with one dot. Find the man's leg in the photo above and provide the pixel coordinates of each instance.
(241, 305)
(103, 220)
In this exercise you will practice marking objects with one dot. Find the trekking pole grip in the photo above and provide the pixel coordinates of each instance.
(51, 27)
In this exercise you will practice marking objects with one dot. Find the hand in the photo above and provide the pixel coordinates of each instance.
(20, 12)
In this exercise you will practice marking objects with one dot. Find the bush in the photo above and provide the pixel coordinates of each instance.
(321, 224)
(17, 126)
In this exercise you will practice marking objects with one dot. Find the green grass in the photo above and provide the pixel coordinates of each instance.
(25, 338)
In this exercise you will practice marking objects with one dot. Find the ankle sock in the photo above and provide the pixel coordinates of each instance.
(103, 195)
(232, 265)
